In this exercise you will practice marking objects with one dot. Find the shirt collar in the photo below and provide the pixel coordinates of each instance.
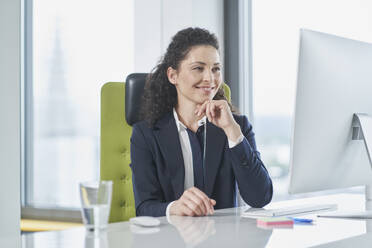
(181, 126)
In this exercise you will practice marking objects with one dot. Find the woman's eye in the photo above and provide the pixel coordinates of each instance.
(198, 68)
(216, 69)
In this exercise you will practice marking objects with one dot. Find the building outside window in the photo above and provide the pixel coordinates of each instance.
(77, 46)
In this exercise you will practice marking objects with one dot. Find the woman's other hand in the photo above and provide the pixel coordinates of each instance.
(193, 202)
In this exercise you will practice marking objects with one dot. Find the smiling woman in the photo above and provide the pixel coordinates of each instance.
(174, 172)
(160, 95)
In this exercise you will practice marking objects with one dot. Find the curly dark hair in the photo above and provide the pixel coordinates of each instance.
(160, 96)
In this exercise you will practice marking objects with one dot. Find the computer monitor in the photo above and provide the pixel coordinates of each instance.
(334, 82)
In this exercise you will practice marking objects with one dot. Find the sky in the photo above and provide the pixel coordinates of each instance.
(275, 34)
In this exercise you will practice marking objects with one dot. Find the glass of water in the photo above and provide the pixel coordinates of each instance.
(95, 199)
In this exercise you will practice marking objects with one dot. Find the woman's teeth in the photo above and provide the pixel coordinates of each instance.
(207, 89)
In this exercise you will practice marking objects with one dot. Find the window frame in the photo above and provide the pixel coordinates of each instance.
(28, 210)
(238, 54)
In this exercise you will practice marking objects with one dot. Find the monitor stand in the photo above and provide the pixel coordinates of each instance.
(362, 130)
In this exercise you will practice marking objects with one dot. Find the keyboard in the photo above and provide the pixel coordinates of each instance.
(299, 209)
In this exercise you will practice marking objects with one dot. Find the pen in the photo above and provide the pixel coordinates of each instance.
(301, 220)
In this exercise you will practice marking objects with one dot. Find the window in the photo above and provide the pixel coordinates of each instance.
(77, 46)
(275, 36)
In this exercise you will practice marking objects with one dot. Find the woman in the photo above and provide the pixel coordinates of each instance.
(172, 172)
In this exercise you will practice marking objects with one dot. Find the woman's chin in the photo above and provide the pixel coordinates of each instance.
(200, 98)
(203, 99)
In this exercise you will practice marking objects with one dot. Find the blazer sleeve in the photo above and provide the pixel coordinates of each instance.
(253, 179)
(148, 196)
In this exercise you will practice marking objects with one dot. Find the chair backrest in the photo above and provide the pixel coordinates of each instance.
(134, 85)
(115, 153)
(115, 149)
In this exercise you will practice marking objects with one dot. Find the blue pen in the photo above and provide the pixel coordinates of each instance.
(301, 220)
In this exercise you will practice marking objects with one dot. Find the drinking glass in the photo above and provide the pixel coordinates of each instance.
(95, 199)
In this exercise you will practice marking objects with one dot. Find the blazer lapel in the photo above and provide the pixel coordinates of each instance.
(216, 140)
(169, 142)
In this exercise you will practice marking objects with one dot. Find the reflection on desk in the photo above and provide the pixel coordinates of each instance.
(226, 228)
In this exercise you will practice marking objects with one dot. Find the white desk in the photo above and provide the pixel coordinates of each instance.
(224, 229)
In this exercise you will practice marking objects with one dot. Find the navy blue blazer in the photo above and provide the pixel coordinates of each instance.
(158, 171)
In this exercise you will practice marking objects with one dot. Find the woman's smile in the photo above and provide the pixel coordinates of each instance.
(205, 89)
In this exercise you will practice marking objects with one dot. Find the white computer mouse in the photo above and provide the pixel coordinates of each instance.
(146, 221)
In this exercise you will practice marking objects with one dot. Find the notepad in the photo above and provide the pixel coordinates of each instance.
(281, 221)
(299, 209)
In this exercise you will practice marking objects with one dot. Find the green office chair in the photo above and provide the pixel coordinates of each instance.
(115, 150)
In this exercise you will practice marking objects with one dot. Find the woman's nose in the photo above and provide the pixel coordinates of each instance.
(208, 76)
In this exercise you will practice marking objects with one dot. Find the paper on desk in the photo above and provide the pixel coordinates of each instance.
(250, 213)
(288, 211)
(348, 214)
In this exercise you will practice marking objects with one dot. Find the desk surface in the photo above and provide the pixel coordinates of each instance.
(224, 229)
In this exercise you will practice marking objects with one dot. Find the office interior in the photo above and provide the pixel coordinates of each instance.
(57, 55)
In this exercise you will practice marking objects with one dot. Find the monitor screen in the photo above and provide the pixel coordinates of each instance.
(334, 81)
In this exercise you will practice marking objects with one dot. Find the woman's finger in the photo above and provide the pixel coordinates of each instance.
(197, 109)
(202, 108)
(204, 198)
(185, 210)
(191, 203)
(198, 203)
(213, 109)
(210, 110)
(201, 203)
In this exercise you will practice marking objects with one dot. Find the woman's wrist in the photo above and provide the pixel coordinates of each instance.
(172, 208)
(233, 132)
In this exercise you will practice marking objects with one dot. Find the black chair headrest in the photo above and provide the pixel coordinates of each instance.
(134, 86)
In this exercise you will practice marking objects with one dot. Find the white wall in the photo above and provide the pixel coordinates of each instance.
(10, 76)
(156, 21)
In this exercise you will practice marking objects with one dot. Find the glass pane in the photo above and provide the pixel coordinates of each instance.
(77, 47)
(275, 35)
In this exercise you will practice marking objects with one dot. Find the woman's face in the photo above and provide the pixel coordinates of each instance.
(198, 76)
